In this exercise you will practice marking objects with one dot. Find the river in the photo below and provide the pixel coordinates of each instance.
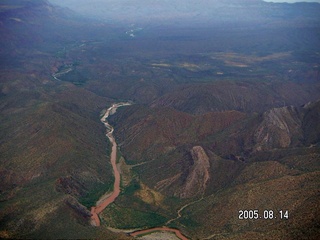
(96, 210)
(95, 220)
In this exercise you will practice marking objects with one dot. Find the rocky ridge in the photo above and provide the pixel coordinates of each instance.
(280, 128)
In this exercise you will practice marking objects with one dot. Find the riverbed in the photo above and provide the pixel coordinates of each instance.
(109, 198)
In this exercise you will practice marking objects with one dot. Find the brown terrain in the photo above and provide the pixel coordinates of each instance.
(178, 233)
(224, 118)
(280, 128)
(278, 159)
(196, 179)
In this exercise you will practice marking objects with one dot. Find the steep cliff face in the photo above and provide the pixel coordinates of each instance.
(280, 128)
(198, 175)
(194, 182)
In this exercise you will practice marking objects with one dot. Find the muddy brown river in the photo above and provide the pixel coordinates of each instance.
(96, 210)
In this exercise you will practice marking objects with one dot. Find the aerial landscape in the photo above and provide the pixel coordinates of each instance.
(181, 119)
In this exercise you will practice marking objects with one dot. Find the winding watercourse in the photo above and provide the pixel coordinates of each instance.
(96, 210)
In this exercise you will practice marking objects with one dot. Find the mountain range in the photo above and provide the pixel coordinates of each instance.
(224, 118)
(183, 12)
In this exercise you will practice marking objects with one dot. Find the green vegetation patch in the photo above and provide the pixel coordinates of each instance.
(188, 221)
(126, 218)
(132, 188)
(93, 196)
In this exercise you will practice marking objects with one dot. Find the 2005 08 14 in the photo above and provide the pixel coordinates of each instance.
(266, 214)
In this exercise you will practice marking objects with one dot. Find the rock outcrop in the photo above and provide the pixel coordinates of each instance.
(195, 181)
(71, 186)
(77, 207)
(198, 175)
(280, 128)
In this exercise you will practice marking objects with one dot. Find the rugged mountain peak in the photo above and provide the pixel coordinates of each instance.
(198, 175)
(280, 127)
(194, 181)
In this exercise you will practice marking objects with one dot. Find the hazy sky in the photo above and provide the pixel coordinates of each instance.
(292, 1)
